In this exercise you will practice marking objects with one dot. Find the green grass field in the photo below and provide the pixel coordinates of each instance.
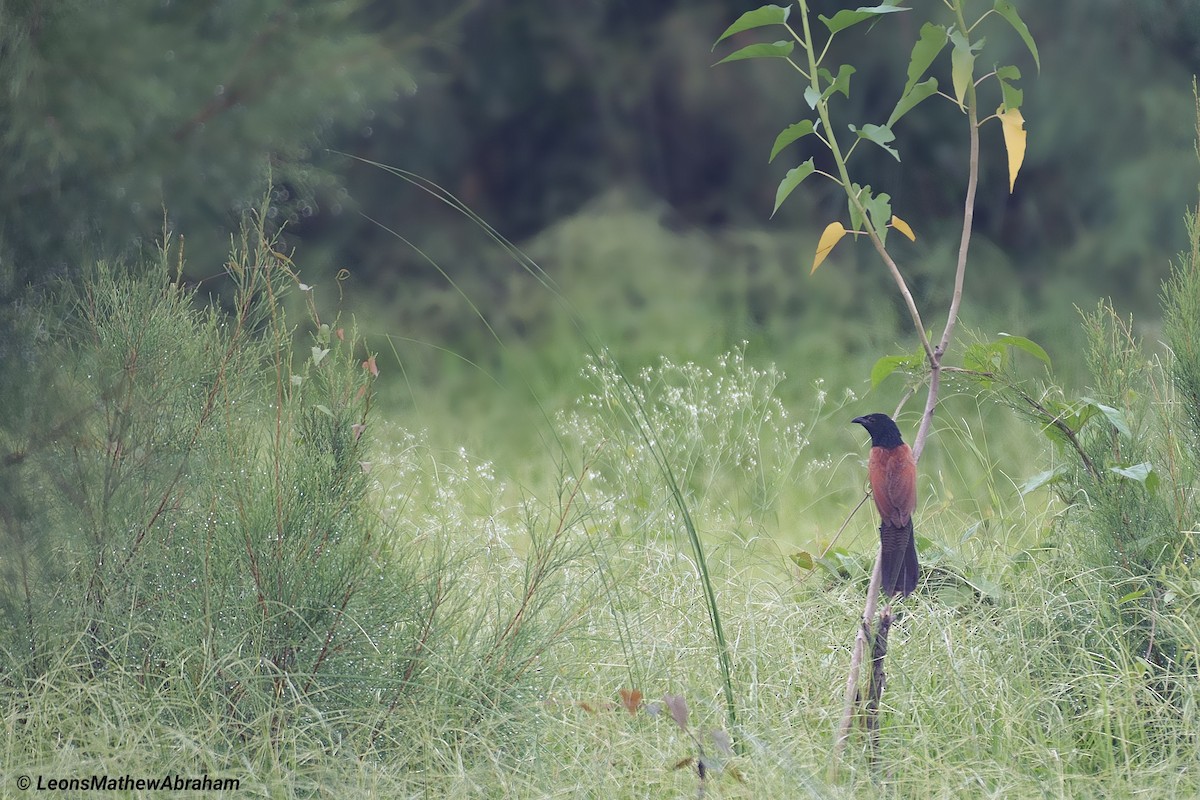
(517, 554)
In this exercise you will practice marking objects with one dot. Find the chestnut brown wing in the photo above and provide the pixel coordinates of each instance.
(893, 476)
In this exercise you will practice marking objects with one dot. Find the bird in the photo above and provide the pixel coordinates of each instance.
(893, 474)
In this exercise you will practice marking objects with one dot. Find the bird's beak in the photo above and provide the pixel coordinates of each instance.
(859, 420)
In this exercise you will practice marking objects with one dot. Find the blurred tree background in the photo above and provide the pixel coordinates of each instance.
(594, 134)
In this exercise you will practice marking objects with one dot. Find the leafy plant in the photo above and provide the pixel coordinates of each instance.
(196, 517)
(1127, 470)
(869, 210)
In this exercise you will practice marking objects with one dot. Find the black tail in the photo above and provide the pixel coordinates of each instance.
(899, 567)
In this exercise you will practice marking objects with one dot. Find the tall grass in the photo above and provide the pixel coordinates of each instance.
(224, 560)
(201, 554)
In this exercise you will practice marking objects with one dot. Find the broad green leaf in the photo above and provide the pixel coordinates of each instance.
(880, 135)
(318, 355)
(324, 410)
(962, 65)
(758, 18)
(879, 208)
(811, 96)
(1115, 416)
(1028, 345)
(955, 596)
(1013, 125)
(983, 586)
(910, 98)
(1056, 435)
(1005, 9)
(832, 234)
(841, 83)
(790, 134)
(802, 559)
(904, 228)
(794, 178)
(841, 564)
(1012, 95)
(1142, 473)
(846, 18)
(1043, 479)
(774, 50)
(885, 367)
(1075, 418)
(863, 193)
(933, 39)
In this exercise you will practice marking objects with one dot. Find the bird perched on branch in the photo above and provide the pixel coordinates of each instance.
(893, 474)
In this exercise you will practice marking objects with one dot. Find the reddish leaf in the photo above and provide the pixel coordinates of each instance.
(631, 699)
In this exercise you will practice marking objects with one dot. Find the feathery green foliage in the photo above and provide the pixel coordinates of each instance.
(199, 543)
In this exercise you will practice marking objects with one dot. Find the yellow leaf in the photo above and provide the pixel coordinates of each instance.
(834, 231)
(904, 228)
(1013, 125)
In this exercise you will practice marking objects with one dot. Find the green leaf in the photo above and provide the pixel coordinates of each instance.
(802, 559)
(879, 208)
(840, 563)
(1028, 345)
(1012, 95)
(885, 367)
(1142, 473)
(841, 83)
(790, 181)
(1116, 417)
(1005, 9)
(318, 355)
(962, 65)
(759, 18)
(1136, 594)
(933, 39)
(790, 134)
(811, 96)
(880, 135)
(863, 193)
(1008, 73)
(1043, 479)
(1075, 418)
(984, 587)
(909, 100)
(774, 50)
(847, 18)
(324, 410)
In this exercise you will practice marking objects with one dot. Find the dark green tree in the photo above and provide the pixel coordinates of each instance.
(111, 112)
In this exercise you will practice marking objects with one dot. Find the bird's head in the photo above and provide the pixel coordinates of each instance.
(883, 430)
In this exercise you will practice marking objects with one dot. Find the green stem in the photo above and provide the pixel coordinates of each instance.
(964, 246)
(844, 174)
